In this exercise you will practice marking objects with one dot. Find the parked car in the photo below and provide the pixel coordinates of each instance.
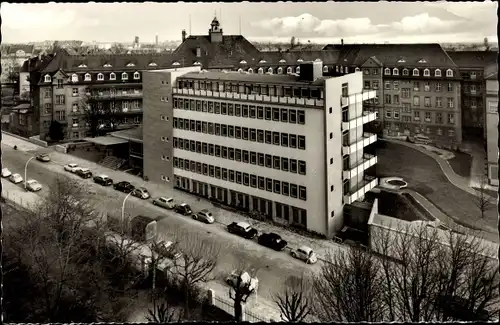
(6, 172)
(72, 168)
(167, 203)
(183, 209)
(15, 178)
(205, 216)
(168, 249)
(272, 240)
(305, 254)
(33, 185)
(43, 157)
(84, 173)
(124, 187)
(103, 180)
(242, 229)
(245, 278)
(141, 193)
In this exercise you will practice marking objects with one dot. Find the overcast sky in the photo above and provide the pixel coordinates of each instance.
(318, 22)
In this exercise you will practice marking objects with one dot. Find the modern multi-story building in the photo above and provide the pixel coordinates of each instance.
(291, 147)
(491, 127)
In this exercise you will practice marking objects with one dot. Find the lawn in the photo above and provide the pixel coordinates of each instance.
(397, 206)
(461, 163)
(424, 175)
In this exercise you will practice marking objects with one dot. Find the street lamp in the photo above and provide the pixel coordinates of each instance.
(123, 204)
(26, 171)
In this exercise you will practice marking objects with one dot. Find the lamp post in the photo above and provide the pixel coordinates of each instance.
(123, 204)
(26, 171)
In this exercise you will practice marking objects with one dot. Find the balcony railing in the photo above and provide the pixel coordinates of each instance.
(136, 153)
(130, 111)
(367, 139)
(492, 92)
(117, 95)
(363, 187)
(366, 162)
(355, 98)
(250, 97)
(359, 121)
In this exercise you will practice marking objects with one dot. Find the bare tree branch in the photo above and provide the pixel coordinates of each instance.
(295, 301)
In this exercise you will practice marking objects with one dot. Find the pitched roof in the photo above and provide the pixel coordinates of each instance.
(13, 48)
(408, 55)
(473, 59)
(291, 58)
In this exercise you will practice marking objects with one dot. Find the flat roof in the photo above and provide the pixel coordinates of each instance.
(251, 77)
(105, 140)
(134, 134)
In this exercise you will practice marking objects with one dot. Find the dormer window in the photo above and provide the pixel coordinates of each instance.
(297, 70)
(280, 70)
(47, 78)
(130, 65)
(83, 65)
(260, 71)
(107, 65)
(262, 61)
(197, 63)
(341, 69)
(289, 70)
(176, 64)
(395, 71)
(318, 60)
(270, 70)
(282, 61)
(401, 60)
(240, 70)
(300, 60)
(357, 69)
(243, 62)
(88, 77)
(250, 70)
(325, 69)
(152, 64)
(405, 72)
(74, 77)
(100, 77)
(124, 76)
(437, 73)
(422, 61)
(137, 75)
(112, 76)
(387, 71)
(346, 70)
(427, 73)
(449, 73)
(416, 73)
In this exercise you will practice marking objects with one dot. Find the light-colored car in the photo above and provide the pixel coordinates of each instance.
(33, 185)
(16, 178)
(246, 279)
(305, 254)
(6, 172)
(141, 193)
(205, 216)
(73, 168)
(43, 157)
(164, 202)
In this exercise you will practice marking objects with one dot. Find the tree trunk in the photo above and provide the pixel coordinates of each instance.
(238, 311)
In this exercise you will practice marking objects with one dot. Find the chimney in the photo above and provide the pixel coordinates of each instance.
(341, 41)
(183, 35)
(198, 52)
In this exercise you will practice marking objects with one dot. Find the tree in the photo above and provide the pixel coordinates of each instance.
(56, 131)
(486, 44)
(348, 288)
(292, 42)
(482, 200)
(294, 301)
(99, 112)
(241, 290)
(13, 68)
(118, 48)
(195, 265)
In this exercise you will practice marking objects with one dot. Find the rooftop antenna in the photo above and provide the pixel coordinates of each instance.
(220, 14)
(189, 24)
(240, 24)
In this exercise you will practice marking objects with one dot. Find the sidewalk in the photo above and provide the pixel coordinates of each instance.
(478, 168)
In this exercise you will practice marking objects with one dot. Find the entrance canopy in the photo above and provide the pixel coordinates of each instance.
(106, 140)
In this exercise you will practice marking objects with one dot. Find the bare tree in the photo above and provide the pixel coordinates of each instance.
(241, 289)
(482, 200)
(99, 112)
(163, 313)
(196, 265)
(294, 301)
(348, 289)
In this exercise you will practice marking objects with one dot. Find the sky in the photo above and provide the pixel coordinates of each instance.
(328, 22)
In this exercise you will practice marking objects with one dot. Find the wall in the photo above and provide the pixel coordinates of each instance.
(492, 130)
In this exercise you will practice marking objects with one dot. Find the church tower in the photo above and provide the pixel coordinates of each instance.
(215, 32)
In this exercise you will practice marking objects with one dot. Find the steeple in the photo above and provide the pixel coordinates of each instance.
(215, 32)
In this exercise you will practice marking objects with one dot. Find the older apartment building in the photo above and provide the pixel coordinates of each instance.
(290, 147)
(491, 125)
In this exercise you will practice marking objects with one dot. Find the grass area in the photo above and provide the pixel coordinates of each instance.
(397, 206)
(424, 175)
(491, 193)
(461, 163)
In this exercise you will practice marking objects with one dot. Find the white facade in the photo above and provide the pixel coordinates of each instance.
(492, 130)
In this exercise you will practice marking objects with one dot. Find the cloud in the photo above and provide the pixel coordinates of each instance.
(468, 10)
(349, 26)
(289, 25)
(423, 23)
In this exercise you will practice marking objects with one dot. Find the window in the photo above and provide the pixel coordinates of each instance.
(276, 138)
(325, 69)
(260, 71)
(387, 71)
(388, 113)
(449, 73)
(416, 86)
(451, 133)
(276, 114)
(75, 107)
(302, 142)
(437, 73)
(396, 84)
(253, 181)
(74, 77)
(112, 76)
(61, 115)
(387, 85)
(250, 70)
(292, 118)
(427, 73)
(367, 84)
(439, 118)
(374, 72)
(450, 103)
(396, 99)
(405, 72)
(375, 84)
(451, 119)
(124, 76)
(395, 71)
(416, 116)
(60, 83)
(269, 185)
(297, 70)
(280, 70)
(366, 71)
(416, 73)
(406, 108)
(277, 187)
(47, 78)
(427, 86)
(405, 93)
(301, 117)
(276, 162)
(100, 77)
(137, 75)
(88, 77)
(261, 182)
(302, 167)
(450, 86)
(427, 101)
(75, 122)
(396, 114)
(438, 86)
(60, 99)
(416, 101)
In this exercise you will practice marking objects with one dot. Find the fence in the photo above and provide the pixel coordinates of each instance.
(226, 304)
(33, 139)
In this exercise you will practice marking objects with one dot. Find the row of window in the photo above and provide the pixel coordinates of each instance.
(406, 72)
(290, 70)
(245, 156)
(250, 111)
(100, 77)
(416, 116)
(243, 133)
(394, 99)
(262, 183)
(417, 129)
(389, 85)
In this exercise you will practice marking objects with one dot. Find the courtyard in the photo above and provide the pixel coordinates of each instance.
(424, 175)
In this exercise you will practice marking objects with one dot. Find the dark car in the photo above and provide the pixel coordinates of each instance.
(84, 173)
(103, 180)
(183, 209)
(242, 229)
(124, 187)
(273, 241)
(43, 157)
